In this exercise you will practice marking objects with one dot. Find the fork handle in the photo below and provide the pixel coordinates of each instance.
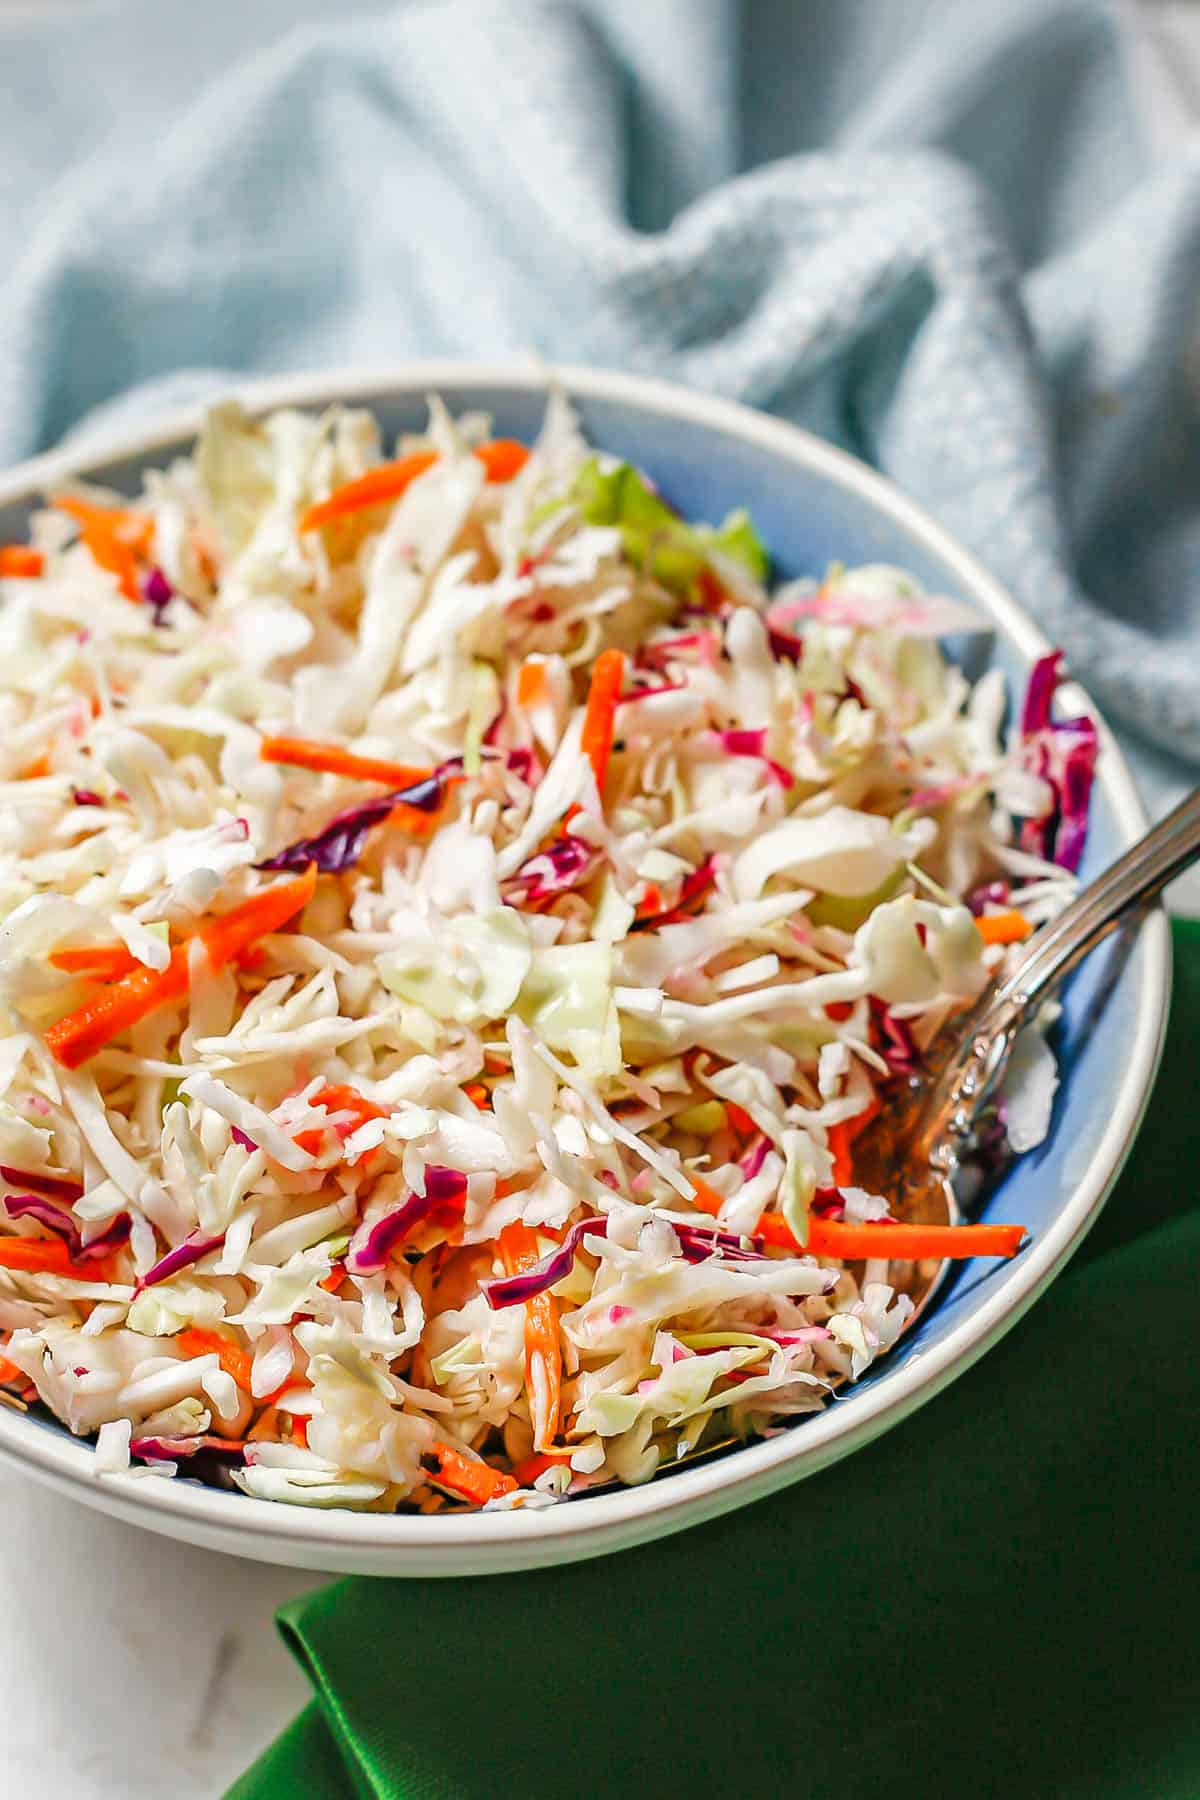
(989, 1032)
(1133, 879)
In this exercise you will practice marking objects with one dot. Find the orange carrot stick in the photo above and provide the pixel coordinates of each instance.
(49, 1256)
(502, 459)
(531, 683)
(102, 962)
(20, 560)
(9, 1373)
(332, 759)
(474, 1481)
(339, 1099)
(543, 1358)
(115, 535)
(1004, 927)
(233, 1359)
(79, 1035)
(608, 672)
(852, 1243)
(841, 1140)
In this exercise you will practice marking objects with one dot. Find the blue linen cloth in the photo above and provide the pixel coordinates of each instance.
(935, 232)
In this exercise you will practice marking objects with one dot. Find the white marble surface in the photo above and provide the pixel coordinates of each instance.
(134, 1668)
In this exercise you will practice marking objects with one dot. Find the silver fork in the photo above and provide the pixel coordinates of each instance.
(914, 1151)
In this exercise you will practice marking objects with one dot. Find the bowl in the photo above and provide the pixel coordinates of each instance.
(813, 504)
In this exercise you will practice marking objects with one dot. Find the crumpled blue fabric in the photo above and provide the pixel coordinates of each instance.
(933, 232)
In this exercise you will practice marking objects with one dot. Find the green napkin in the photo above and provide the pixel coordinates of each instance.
(999, 1597)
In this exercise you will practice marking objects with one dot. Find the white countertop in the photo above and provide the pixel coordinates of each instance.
(135, 1668)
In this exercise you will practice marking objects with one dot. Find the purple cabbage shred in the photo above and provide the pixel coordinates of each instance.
(515, 1290)
(443, 1187)
(157, 592)
(563, 865)
(1063, 754)
(195, 1246)
(341, 843)
(62, 1187)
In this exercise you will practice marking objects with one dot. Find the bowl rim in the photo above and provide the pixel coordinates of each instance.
(467, 1543)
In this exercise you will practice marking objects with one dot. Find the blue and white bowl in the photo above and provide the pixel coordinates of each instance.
(813, 505)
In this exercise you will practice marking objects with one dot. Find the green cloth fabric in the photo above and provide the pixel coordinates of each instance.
(999, 1597)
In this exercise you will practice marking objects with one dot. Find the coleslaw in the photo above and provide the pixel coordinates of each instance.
(457, 916)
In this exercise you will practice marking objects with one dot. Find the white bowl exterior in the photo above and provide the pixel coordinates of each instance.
(489, 1543)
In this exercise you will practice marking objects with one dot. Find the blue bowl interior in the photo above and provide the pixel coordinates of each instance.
(808, 521)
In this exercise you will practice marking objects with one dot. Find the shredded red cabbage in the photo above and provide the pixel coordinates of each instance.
(754, 1157)
(785, 646)
(562, 865)
(515, 1290)
(157, 592)
(521, 763)
(648, 693)
(656, 655)
(35, 1206)
(63, 1187)
(1063, 754)
(240, 1137)
(443, 1187)
(899, 1047)
(196, 1245)
(698, 1242)
(691, 889)
(86, 797)
(55, 1218)
(174, 1449)
(991, 893)
(340, 844)
(754, 743)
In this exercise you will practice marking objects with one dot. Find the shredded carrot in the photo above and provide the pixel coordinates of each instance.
(854, 1243)
(20, 560)
(102, 962)
(1004, 927)
(839, 1149)
(502, 459)
(478, 1094)
(650, 904)
(532, 686)
(838, 1010)
(300, 1430)
(474, 1481)
(335, 1279)
(543, 1358)
(79, 1035)
(608, 672)
(39, 766)
(339, 1099)
(9, 1372)
(529, 1468)
(740, 1119)
(50, 1256)
(115, 535)
(233, 1359)
(332, 759)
